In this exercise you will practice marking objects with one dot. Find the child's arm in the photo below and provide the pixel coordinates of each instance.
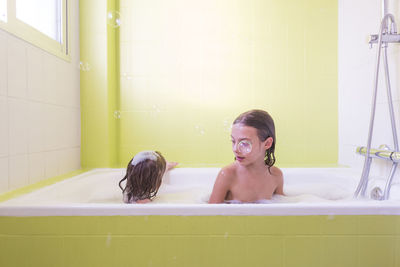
(220, 189)
(170, 165)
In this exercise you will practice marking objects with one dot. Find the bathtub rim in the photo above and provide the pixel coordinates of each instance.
(283, 209)
(352, 207)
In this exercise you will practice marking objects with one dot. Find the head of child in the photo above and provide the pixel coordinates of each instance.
(253, 138)
(143, 176)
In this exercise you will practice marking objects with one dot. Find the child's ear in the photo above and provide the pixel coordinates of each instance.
(268, 142)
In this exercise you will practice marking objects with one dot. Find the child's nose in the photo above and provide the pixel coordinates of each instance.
(234, 147)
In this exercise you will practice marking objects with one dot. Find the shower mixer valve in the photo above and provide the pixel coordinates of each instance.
(386, 38)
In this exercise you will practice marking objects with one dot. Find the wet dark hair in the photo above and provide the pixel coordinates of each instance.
(265, 126)
(143, 179)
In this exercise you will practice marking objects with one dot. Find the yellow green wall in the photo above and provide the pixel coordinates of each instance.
(98, 85)
(290, 241)
(188, 68)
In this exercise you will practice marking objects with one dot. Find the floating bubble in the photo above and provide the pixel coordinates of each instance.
(114, 19)
(155, 110)
(244, 147)
(199, 130)
(125, 75)
(84, 66)
(227, 126)
(117, 114)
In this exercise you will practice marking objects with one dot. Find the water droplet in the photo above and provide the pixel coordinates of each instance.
(226, 235)
(155, 111)
(125, 75)
(114, 19)
(108, 240)
(117, 114)
(227, 126)
(331, 217)
(199, 130)
(84, 66)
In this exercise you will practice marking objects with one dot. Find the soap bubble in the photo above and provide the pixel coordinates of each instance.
(117, 114)
(114, 19)
(126, 76)
(227, 126)
(155, 110)
(199, 130)
(245, 147)
(84, 66)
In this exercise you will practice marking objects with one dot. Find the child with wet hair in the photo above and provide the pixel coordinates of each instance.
(143, 177)
(252, 176)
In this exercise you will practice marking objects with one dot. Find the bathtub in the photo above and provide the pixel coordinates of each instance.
(81, 221)
(185, 191)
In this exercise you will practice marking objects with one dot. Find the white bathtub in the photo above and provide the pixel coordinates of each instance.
(185, 191)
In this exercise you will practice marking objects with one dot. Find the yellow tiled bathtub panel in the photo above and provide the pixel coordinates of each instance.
(200, 241)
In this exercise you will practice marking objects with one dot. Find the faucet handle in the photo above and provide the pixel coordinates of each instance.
(373, 38)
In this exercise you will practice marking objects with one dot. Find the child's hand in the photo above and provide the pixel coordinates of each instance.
(171, 165)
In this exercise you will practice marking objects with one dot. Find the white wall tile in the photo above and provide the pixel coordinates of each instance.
(69, 130)
(63, 84)
(17, 68)
(39, 110)
(3, 127)
(18, 126)
(348, 157)
(53, 121)
(77, 129)
(68, 160)
(36, 90)
(76, 160)
(3, 64)
(50, 78)
(74, 82)
(37, 167)
(52, 161)
(3, 175)
(37, 126)
(18, 171)
(76, 94)
(64, 127)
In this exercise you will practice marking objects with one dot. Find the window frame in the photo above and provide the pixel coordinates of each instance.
(28, 33)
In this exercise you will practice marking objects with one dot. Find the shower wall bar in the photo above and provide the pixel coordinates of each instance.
(387, 34)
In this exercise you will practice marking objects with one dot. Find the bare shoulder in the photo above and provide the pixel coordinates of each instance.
(222, 184)
(278, 176)
(229, 172)
(276, 172)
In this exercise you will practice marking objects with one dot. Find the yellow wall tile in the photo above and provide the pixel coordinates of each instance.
(194, 61)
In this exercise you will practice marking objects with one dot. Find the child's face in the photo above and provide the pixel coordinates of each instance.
(247, 134)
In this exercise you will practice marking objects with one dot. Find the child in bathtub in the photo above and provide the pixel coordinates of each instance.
(144, 176)
(252, 177)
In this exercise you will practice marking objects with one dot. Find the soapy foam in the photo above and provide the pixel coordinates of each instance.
(187, 186)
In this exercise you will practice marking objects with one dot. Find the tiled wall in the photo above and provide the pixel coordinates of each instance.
(39, 110)
(189, 68)
(278, 241)
(357, 19)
